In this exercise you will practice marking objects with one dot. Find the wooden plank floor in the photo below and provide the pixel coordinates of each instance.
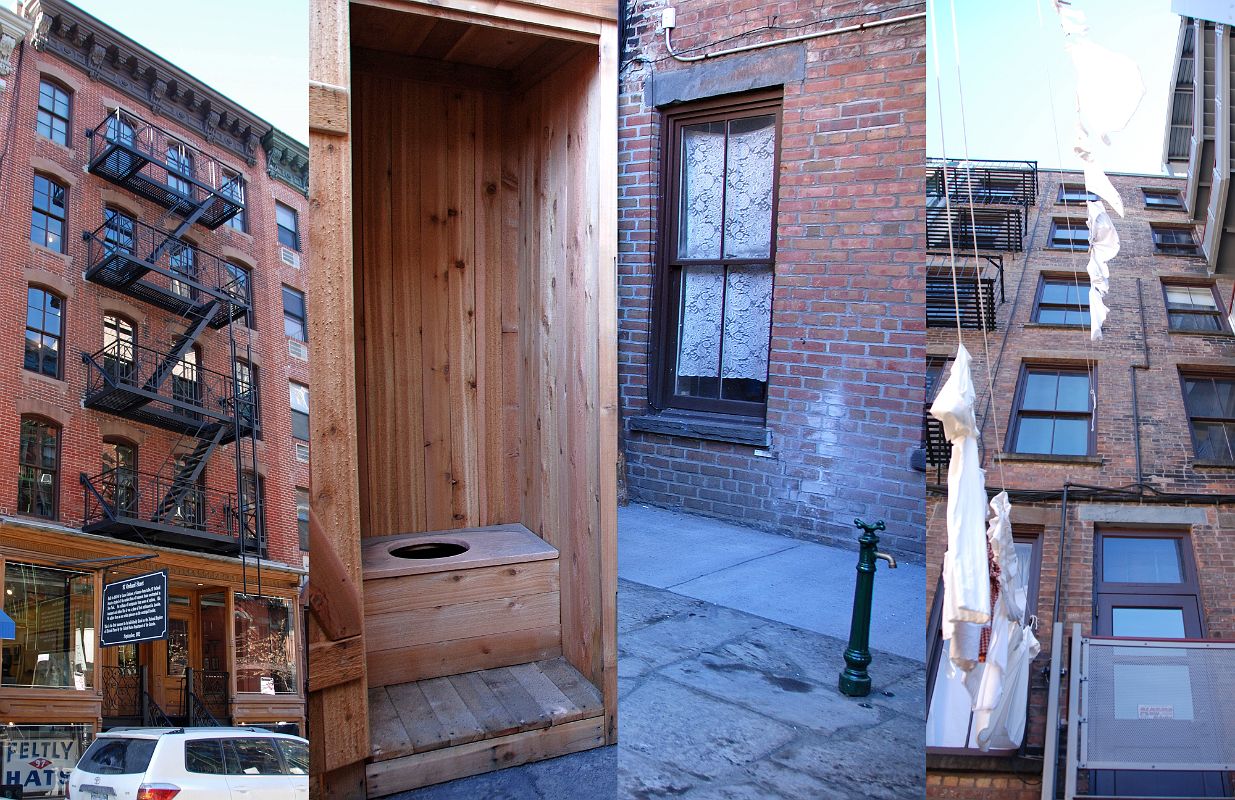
(431, 714)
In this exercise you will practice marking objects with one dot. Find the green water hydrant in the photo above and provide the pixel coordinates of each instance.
(854, 679)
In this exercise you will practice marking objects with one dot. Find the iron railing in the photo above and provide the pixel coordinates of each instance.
(122, 692)
(970, 228)
(209, 518)
(982, 182)
(152, 265)
(124, 378)
(159, 166)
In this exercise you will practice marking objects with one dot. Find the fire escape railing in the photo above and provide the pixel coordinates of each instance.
(119, 499)
(164, 169)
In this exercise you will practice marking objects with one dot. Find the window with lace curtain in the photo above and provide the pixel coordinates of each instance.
(717, 253)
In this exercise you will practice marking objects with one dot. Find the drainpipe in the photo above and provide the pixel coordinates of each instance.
(1063, 535)
(1136, 409)
(668, 22)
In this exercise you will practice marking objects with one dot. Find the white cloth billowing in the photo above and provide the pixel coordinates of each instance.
(1103, 246)
(966, 571)
(1006, 615)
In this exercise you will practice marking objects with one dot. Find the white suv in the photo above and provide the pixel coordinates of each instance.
(192, 764)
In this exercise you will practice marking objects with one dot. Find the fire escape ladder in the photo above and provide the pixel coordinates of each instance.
(199, 319)
(189, 471)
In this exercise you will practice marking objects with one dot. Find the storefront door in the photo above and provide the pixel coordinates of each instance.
(176, 654)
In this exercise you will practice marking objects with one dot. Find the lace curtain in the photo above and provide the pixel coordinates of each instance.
(733, 309)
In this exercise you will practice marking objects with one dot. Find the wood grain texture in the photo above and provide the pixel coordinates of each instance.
(491, 545)
(328, 109)
(334, 425)
(336, 662)
(444, 712)
(492, 617)
(463, 655)
(388, 595)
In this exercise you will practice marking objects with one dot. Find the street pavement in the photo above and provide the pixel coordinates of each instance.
(730, 641)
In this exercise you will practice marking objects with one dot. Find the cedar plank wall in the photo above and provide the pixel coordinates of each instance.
(477, 331)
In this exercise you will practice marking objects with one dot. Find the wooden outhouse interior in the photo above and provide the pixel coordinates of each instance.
(482, 348)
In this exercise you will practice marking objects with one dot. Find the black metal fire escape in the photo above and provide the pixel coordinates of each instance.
(169, 388)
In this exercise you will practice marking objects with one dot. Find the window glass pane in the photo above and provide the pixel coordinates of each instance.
(265, 646)
(54, 612)
(1150, 623)
(747, 324)
(1034, 435)
(257, 757)
(1139, 560)
(749, 174)
(1073, 393)
(296, 754)
(204, 757)
(299, 397)
(699, 326)
(1215, 440)
(1040, 389)
(702, 188)
(302, 517)
(1071, 437)
(116, 756)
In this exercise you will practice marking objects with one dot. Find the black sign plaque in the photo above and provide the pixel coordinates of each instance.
(134, 610)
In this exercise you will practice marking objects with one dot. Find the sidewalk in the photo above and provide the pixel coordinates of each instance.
(730, 641)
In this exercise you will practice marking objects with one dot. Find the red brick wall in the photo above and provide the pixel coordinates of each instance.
(81, 437)
(845, 374)
(1167, 451)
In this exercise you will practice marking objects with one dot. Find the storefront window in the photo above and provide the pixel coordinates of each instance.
(265, 646)
(54, 612)
(39, 758)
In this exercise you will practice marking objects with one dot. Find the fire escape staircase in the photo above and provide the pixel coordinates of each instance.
(169, 389)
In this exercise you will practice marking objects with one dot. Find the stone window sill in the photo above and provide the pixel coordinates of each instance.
(1209, 463)
(1215, 334)
(711, 428)
(1049, 459)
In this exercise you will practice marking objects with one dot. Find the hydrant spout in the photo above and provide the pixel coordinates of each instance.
(855, 680)
(888, 558)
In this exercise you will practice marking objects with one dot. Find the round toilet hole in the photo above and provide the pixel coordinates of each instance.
(427, 550)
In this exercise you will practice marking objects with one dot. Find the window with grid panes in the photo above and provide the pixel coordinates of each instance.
(48, 213)
(288, 226)
(300, 410)
(1166, 199)
(294, 314)
(1192, 308)
(38, 473)
(1062, 301)
(1210, 402)
(53, 115)
(1174, 241)
(717, 279)
(44, 331)
(1053, 412)
(1069, 234)
(1071, 193)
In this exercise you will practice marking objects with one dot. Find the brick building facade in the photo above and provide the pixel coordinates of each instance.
(816, 423)
(1140, 480)
(141, 356)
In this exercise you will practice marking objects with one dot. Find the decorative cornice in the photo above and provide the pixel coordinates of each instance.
(64, 30)
(12, 30)
(287, 160)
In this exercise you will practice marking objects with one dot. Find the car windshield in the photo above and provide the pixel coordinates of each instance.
(116, 756)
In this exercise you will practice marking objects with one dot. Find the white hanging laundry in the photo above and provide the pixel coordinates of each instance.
(966, 598)
(1003, 726)
(1009, 607)
(1103, 246)
(1108, 88)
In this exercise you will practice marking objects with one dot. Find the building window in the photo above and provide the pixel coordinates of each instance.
(120, 476)
(38, 478)
(949, 717)
(119, 130)
(1069, 234)
(245, 375)
(1192, 308)
(48, 214)
(233, 189)
(1070, 193)
(239, 285)
(1210, 403)
(716, 285)
(936, 366)
(183, 261)
(289, 232)
(186, 384)
(1165, 199)
(1062, 301)
(118, 347)
(300, 410)
(53, 116)
(252, 497)
(265, 645)
(302, 517)
(294, 314)
(192, 510)
(1053, 413)
(44, 331)
(54, 612)
(180, 169)
(1174, 241)
(117, 231)
(1146, 585)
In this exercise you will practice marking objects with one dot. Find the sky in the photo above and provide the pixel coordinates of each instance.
(1010, 64)
(255, 52)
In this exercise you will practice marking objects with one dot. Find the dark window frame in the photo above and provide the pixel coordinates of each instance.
(281, 230)
(1176, 202)
(1190, 374)
(40, 216)
(1072, 224)
(296, 413)
(119, 364)
(1219, 312)
(1074, 194)
(1090, 370)
(934, 656)
(302, 524)
(239, 221)
(233, 270)
(115, 488)
(668, 269)
(302, 319)
(1191, 248)
(41, 110)
(1105, 593)
(1077, 279)
(43, 332)
(39, 467)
